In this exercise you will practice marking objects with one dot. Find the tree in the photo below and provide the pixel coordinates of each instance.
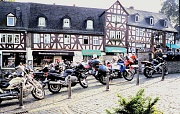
(171, 9)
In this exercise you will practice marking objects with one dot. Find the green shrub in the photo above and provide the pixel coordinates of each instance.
(136, 105)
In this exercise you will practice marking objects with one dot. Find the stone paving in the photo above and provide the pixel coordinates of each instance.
(95, 99)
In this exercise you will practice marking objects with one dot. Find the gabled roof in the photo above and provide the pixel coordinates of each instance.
(143, 15)
(28, 14)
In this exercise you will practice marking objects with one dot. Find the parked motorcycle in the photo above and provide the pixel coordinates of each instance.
(118, 70)
(57, 81)
(155, 66)
(11, 89)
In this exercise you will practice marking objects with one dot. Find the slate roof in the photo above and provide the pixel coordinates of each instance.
(29, 12)
(55, 14)
(144, 15)
(10, 7)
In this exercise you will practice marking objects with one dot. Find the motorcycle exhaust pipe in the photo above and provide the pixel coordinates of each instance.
(9, 94)
(8, 97)
(58, 82)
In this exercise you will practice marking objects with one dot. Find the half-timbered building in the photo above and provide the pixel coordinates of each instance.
(46, 33)
(12, 34)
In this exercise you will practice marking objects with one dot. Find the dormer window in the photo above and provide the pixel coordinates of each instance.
(165, 23)
(136, 18)
(151, 21)
(41, 22)
(66, 23)
(11, 20)
(89, 24)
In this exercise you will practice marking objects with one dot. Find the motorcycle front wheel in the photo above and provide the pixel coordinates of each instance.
(148, 72)
(102, 79)
(83, 82)
(54, 88)
(128, 75)
(38, 93)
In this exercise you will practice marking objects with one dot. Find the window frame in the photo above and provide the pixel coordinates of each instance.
(7, 39)
(89, 25)
(42, 22)
(151, 21)
(67, 38)
(137, 31)
(36, 40)
(96, 40)
(86, 37)
(11, 16)
(47, 39)
(66, 25)
(1, 35)
(15, 41)
(165, 23)
(112, 34)
(136, 18)
(116, 18)
(118, 35)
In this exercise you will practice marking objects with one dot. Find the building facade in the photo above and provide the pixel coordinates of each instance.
(41, 33)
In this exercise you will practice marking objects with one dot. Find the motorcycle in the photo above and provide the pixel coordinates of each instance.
(11, 89)
(118, 70)
(57, 81)
(41, 75)
(155, 66)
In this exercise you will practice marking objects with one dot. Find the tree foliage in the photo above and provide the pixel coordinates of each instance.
(171, 9)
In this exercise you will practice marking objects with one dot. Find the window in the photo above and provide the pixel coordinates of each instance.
(89, 24)
(151, 21)
(3, 38)
(116, 18)
(118, 34)
(36, 38)
(140, 32)
(9, 38)
(41, 22)
(47, 38)
(165, 23)
(12, 59)
(96, 41)
(11, 19)
(112, 34)
(16, 38)
(66, 23)
(136, 18)
(137, 31)
(66, 39)
(86, 40)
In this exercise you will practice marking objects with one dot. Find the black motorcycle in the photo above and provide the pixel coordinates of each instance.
(41, 75)
(155, 67)
(57, 81)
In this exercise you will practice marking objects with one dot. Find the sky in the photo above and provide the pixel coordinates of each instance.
(146, 5)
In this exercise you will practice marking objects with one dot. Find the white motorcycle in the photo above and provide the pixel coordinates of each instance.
(11, 90)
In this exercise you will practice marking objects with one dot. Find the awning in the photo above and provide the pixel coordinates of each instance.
(116, 49)
(174, 46)
(91, 52)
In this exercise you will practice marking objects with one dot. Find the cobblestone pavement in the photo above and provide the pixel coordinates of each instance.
(95, 99)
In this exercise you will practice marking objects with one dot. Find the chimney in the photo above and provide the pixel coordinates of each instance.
(131, 7)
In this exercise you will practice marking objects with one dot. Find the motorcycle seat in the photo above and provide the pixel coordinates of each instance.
(4, 85)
